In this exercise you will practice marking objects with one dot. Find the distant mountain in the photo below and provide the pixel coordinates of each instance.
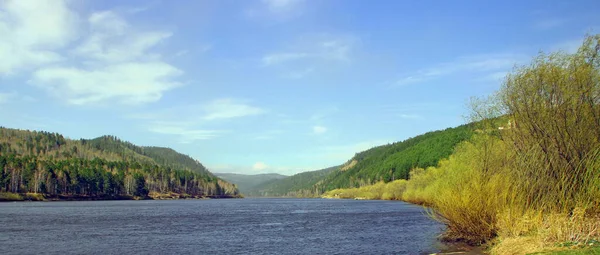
(304, 184)
(48, 163)
(247, 183)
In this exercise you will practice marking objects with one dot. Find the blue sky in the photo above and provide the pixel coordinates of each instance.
(269, 85)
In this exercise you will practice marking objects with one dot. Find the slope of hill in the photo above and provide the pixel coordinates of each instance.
(159, 155)
(304, 184)
(394, 161)
(47, 163)
(382, 163)
(246, 183)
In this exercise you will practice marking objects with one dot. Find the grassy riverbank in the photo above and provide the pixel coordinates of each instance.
(529, 180)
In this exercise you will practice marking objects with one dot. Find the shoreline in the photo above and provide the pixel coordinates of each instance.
(38, 197)
(450, 246)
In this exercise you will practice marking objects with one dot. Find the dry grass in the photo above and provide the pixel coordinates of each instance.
(383, 191)
(518, 245)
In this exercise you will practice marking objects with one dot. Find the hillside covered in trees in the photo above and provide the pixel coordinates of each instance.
(394, 161)
(382, 163)
(305, 184)
(105, 167)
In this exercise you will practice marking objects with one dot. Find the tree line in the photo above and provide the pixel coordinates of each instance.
(47, 163)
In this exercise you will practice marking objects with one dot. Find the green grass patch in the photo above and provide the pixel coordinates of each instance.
(585, 251)
(9, 196)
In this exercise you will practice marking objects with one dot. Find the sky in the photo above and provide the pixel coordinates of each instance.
(263, 86)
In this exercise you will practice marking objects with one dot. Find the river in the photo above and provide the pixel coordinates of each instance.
(217, 226)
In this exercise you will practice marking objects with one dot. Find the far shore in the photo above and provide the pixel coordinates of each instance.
(25, 197)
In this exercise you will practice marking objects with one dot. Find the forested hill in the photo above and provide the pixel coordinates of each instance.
(159, 155)
(306, 184)
(382, 163)
(48, 163)
(394, 161)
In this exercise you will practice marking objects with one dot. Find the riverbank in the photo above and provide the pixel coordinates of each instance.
(19, 197)
(518, 245)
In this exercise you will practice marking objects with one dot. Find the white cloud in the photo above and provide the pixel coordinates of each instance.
(229, 108)
(112, 61)
(183, 130)
(128, 83)
(259, 166)
(319, 130)
(486, 64)
(191, 123)
(31, 31)
(112, 39)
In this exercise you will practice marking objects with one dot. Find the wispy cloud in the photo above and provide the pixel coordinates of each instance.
(225, 108)
(307, 55)
(479, 64)
(195, 122)
(318, 48)
(185, 132)
(229, 108)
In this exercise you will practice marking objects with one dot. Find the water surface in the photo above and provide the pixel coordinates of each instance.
(219, 226)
